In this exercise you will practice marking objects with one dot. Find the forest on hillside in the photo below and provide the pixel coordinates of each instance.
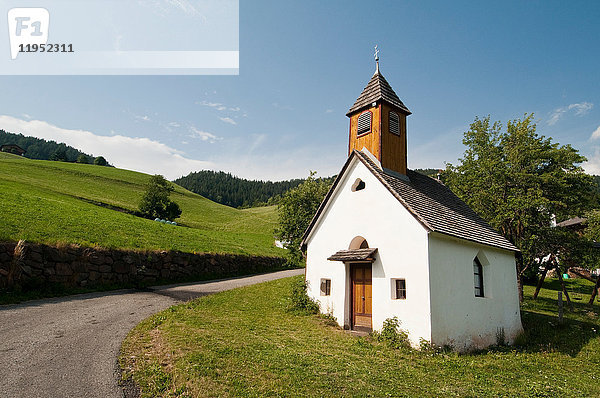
(38, 148)
(233, 191)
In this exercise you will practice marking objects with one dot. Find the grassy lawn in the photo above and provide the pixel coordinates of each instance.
(245, 342)
(49, 202)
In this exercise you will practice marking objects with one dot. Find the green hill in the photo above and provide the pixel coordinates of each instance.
(54, 202)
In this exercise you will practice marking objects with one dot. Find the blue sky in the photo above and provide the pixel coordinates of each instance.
(303, 64)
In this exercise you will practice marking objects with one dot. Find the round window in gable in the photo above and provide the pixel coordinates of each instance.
(358, 185)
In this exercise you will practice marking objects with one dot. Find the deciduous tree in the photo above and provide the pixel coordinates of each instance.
(156, 202)
(296, 209)
(100, 161)
(518, 180)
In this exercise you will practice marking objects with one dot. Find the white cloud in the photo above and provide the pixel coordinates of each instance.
(144, 118)
(284, 107)
(203, 135)
(328, 110)
(228, 120)
(219, 106)
(174, 124)
(133, 153)
(26, 116)
(276, 166)
(153, 157)
(592, 166)
(596, 134)
(580, 109)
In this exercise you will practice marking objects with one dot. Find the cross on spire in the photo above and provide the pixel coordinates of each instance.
(377, 58)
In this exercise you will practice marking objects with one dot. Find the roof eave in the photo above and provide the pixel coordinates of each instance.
(513, 249)
(353, 110)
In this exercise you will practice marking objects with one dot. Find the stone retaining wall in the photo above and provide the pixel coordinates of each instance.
(26, 265)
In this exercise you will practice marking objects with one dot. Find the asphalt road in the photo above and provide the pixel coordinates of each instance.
(68, 347)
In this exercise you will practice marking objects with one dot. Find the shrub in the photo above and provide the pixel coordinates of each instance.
(392, 335)
(299, 298)
(500, 337)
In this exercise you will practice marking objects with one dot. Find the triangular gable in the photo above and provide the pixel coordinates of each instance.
(315, 220)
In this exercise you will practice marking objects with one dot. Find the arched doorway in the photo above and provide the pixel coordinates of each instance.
(361, 288)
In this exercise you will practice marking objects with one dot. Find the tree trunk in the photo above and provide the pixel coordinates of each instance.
(595, 292)
(519, 264)
(520, 287)
(541, 281)
(564, 288)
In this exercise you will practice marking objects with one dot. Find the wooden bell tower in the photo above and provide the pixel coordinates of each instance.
(378, 123)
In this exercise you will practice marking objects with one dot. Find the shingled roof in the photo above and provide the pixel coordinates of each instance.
(354, 255)
(377, 89)
(431, 203)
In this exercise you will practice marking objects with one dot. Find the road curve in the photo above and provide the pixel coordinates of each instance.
(68, 346)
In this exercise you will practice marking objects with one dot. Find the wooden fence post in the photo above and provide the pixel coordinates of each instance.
(560, 307)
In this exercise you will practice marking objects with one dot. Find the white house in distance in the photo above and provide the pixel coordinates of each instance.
(389, 242)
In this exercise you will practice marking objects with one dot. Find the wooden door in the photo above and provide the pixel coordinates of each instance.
(361, 296)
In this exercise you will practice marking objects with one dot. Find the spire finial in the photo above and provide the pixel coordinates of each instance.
(377, 58)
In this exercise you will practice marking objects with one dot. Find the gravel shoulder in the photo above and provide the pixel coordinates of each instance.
(68, 347)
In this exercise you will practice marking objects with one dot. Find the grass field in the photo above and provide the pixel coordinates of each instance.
(50, 202)
(245, 343)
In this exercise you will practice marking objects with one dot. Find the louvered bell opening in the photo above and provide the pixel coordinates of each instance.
(394, 123)
(364, 123)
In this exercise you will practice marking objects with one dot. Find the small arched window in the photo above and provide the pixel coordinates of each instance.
(358, 185)
(394, 123)
(478, 277)
(358, 243)
(364, 123)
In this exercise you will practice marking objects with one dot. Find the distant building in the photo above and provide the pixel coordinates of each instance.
(14, 149)
(389, 242)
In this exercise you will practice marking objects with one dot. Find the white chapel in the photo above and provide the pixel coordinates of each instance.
(389, 242)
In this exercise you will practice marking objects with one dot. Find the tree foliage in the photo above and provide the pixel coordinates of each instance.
(156, 202)
(518, 180)
(100, 161)
(296, 209)
(60, 155)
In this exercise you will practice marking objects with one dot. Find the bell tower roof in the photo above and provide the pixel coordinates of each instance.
(378, 89)
(378, 124)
